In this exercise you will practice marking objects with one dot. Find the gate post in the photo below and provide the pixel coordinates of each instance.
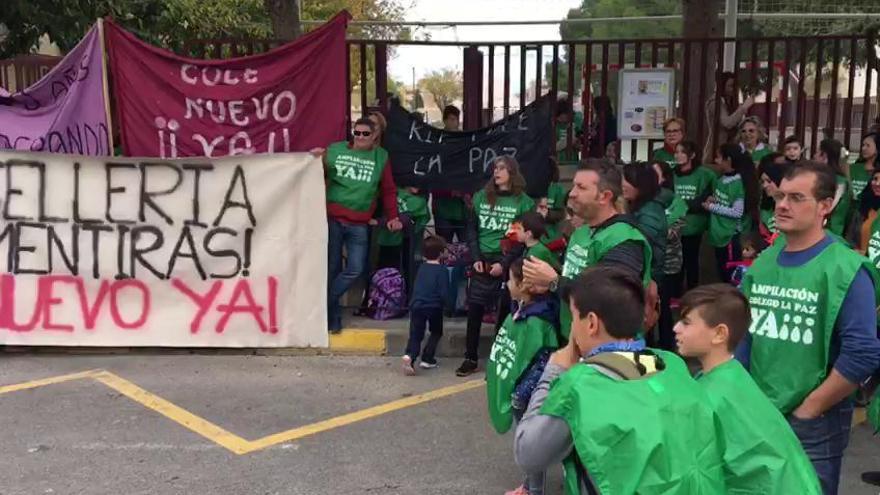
(473, 88)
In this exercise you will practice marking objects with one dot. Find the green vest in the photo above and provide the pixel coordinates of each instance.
(660, 154)
(652, 435)
(675, 211)
(557, 198)
(577, 127)
(586, 248)
(761, 453)
(541, 252)
(837, 219)
(768, 220)
(758, 154)
(874, 411)
(515, 346)
(353, 176)
(793, 314)
(874, 243)
(859, 178)
(495, 221)
(721, 228)
(691, 186)
(416, 206)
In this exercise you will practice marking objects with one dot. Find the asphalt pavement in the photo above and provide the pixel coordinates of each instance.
(169, 424)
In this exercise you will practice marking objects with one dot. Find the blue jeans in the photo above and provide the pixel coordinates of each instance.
(824, 440)
(355, 239)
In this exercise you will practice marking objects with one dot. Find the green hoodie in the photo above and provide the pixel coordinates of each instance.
(651, 220)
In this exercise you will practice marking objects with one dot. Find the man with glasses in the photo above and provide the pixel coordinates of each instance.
(356, 172)
(813, 335)
(673, 134)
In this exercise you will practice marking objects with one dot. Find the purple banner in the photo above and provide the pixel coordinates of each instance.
(63, 112)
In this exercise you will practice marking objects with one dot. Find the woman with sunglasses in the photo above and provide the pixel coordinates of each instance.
(752, 139)
(673, 134)
(494, 207)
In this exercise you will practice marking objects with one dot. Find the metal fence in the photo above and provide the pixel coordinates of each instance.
(20, 72)
(812, 87)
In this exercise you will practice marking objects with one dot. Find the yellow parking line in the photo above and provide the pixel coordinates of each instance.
(346, 419)
(46, 381)
(224, 438)
(175, 413)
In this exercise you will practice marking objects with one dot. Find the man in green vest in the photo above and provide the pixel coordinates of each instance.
(813, 335)
(626, 419)
(761, 454)
(607, 237)
(356, 173)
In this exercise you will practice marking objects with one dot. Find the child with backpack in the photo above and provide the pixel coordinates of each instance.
(521, 350)
(426, 306)
(761, 453)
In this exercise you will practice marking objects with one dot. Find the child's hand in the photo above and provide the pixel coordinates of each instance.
(478, 266)
(319, 152)
(394, 225)
(373, 221)
(566, 357)
(496, 270)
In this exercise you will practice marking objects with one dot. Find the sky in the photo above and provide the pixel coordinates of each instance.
(425, 59)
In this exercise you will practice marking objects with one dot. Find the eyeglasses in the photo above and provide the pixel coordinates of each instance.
(362, 133)
(794, 198)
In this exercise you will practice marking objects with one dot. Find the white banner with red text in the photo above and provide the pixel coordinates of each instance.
(200, 252)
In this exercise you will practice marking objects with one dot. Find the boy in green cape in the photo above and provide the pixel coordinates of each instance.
(761, 452)
(626, 419)
(526, 336)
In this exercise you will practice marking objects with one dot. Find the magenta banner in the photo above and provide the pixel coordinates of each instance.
(65, 111)
(291, 98)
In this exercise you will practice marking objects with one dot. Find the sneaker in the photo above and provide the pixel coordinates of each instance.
(871, 478)
(520, 490)
(334, 330)
(467, 368)
(408, 369)
(428, 366)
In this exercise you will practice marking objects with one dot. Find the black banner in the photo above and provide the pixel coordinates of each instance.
(430, 158)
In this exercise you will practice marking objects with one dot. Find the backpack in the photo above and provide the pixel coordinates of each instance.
(387, 294)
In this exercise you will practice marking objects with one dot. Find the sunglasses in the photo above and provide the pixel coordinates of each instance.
(362, 133)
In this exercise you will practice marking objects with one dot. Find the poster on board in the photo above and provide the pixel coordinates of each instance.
(209, 252)
(645, 101)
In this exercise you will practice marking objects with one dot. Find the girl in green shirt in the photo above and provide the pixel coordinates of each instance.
(861, 170)
(494, 208)
(770, 172)
(733, 206)
(829, 153)
(692, 183)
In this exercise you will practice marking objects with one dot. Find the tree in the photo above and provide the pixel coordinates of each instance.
(444, 85)
(284, 15)
(169, 23)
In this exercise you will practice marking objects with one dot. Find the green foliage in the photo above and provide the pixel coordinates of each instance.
(169, 23)
(445, 86)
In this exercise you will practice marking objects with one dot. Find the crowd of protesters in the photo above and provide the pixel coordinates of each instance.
(584, 288)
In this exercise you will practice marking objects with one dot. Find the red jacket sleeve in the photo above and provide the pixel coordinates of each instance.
(388, 192)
